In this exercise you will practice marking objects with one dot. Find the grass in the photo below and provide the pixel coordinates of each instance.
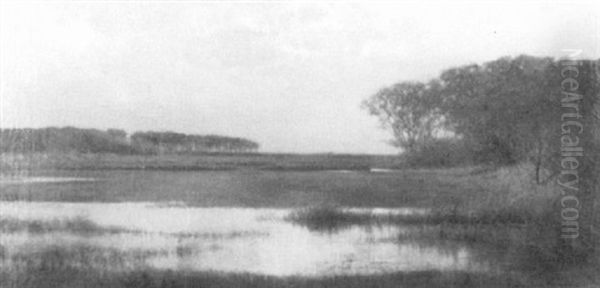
(198, 162)
(524, 243)
(220, 236)
(77, 225)
(334, 218)
(499, 208)
(168, 279)
(326, 218)
(252, 188)
(84, 227)
(501, 232)
(86, 266)
(57, 258)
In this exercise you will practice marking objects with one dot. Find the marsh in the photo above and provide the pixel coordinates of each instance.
(299, 144)
(282, 224)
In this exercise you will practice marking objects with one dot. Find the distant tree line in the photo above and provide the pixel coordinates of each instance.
(505, 111)
(171, 142)
(70, 139)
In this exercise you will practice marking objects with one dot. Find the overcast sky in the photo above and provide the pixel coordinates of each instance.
(290, 76)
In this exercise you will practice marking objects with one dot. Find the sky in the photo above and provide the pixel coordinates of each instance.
(289, 75)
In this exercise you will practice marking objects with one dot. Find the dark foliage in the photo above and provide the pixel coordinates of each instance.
(77, 140)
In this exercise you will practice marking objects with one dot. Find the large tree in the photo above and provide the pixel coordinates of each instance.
(501, 107)
(409, 110)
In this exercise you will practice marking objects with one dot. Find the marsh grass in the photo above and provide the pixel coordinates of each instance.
(329, 218)
(149, 278)
(77, 225)
(57, 258)
(218, 236)
(85, 227)
(501, 212)
(500, 209)
(89, 266)
(14, 163)
(496, 235)
(336, 218)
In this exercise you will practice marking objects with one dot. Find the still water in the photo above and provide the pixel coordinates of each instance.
(253, 240)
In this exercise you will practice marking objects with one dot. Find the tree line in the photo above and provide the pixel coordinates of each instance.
(504, 111)
(71, 139)
(540, 110)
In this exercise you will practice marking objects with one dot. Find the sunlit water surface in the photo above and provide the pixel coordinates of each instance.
(233, 239)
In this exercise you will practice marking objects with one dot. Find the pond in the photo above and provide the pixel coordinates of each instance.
(171, 235)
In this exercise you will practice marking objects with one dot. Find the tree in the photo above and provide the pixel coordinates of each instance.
(171, 142)
(409, 109)
(504, 108)
(118, 134)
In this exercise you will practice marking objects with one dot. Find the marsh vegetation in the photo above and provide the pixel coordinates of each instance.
(467, 227)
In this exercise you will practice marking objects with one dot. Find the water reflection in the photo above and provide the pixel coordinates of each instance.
(230, 239)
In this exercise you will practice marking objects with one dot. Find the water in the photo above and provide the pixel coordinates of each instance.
(382, 170)
(254, 240)
(31, 180)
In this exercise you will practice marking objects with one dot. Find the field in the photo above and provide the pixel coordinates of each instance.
(498, 211)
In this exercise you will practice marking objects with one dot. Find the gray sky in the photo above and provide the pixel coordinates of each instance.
(288, 75)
